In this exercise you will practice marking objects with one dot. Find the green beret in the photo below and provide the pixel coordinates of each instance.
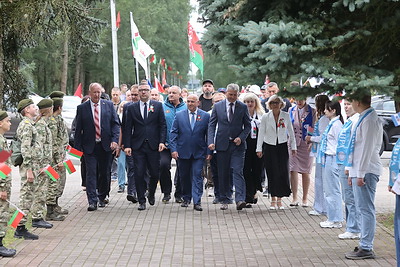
(3, 115)
(45, 103)
(58, 94)
(57, 102)
(24, 103)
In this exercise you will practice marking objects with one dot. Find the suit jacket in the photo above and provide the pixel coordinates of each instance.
(240, 125)
(85, 132)
(188, 142)
(136, 130)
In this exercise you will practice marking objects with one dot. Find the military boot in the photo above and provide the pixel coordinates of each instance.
(6, 252)
(52, 215)
(60, 210)
(22, 232)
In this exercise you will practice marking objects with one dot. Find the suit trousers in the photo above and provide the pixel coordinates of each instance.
(131, 176)
(191, 179)
(230, 162)
(165, 171)
(98, 174)
(145, 158)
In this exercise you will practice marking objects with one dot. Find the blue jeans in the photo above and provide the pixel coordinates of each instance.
(121, 169)
(352, 212)
(364, 197)
(397, 228)
(319, 198)
(332, 192)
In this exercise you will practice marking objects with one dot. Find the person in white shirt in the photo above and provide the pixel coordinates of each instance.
(330, 170)
(352, 213)
(364, 172)
(275, 127)
(319, 207)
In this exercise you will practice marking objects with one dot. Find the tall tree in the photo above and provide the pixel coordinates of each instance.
(352, 44)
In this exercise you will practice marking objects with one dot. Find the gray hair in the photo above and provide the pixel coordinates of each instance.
(275, 97)
(176, 87)
(232, 86)
(271, 84)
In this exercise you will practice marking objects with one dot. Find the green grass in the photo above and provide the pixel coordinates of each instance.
(386, 219)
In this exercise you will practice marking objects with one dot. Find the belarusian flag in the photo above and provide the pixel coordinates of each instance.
(52, 173)
(74, 152)
(16, 218)
(157, 84)
(69, 166)
(4, 170)
(196, 52)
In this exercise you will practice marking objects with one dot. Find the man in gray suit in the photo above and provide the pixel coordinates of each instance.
(233, 120)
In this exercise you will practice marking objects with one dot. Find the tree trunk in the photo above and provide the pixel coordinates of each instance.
(1, 68)
(77, 77)
(64, 72)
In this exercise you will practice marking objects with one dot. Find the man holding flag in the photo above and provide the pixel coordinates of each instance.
(5, 187)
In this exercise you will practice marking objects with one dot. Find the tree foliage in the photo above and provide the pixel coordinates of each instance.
(352, 44)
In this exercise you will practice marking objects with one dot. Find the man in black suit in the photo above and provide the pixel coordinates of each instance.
(144, 138)
(272, 89)
(96, 134)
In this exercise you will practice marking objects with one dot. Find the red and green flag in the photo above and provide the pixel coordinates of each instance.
(4, 155)
(16, 218)
(52, 173)
(74, 152)
(5, 170)
(69, 166)
(196, 52)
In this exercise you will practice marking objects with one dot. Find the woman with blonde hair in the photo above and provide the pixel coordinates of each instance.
(252, 164)
(272, 143)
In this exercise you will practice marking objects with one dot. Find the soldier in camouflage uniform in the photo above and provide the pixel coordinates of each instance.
(5, 188)
(44, 159)
(27, 133)
(58, 147)
(62, 140)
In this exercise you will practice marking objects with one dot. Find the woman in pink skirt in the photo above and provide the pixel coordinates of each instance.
(303, 117)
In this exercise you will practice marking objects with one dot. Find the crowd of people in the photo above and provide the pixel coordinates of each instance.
(240, 143)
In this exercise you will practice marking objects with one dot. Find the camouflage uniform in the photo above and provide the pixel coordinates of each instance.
(31, 151)
(62, 141)
(44, 138)
(5, 186)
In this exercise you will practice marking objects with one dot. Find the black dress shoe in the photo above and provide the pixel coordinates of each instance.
(185, 204)
(7, 252)
(41, 224)
(131, 198)
(142, 206)
(92, 207)
(198, 207)
(106, 200)
(240, 205)
(102, 204)
(151, 200)
(178, 200)
(166, 198)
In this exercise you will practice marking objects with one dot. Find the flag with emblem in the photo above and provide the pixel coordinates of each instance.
(196, 52)
(69, 166)
(5, 170)
(51, 173)
(74, 152)
(16, 218)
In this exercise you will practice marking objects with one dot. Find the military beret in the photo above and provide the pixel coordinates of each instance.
(45, 103)
(58, 94)
(3, 115)
(57, 102)
(24, 103)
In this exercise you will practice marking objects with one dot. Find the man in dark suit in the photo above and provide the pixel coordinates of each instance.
(272, 89)
(233, 120)
(188, 145)
(144, 138)
(96, 134)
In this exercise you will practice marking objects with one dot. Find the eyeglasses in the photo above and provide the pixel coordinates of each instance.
(274, 103)
(134, 94)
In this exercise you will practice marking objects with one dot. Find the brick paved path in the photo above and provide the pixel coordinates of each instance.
(168, 235)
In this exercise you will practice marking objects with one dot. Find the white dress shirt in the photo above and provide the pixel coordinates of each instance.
(323, 123)
(368, 143)
(141, 104)
(332, 138)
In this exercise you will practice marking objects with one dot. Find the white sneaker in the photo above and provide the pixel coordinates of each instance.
(210, 191)
(348, 235)
(314, 213)
(329, 224)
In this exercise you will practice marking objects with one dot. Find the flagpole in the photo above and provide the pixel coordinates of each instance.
(137, 72)
(114, 43)
(9, 202)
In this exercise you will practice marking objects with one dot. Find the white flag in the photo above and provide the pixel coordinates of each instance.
(141, 50)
